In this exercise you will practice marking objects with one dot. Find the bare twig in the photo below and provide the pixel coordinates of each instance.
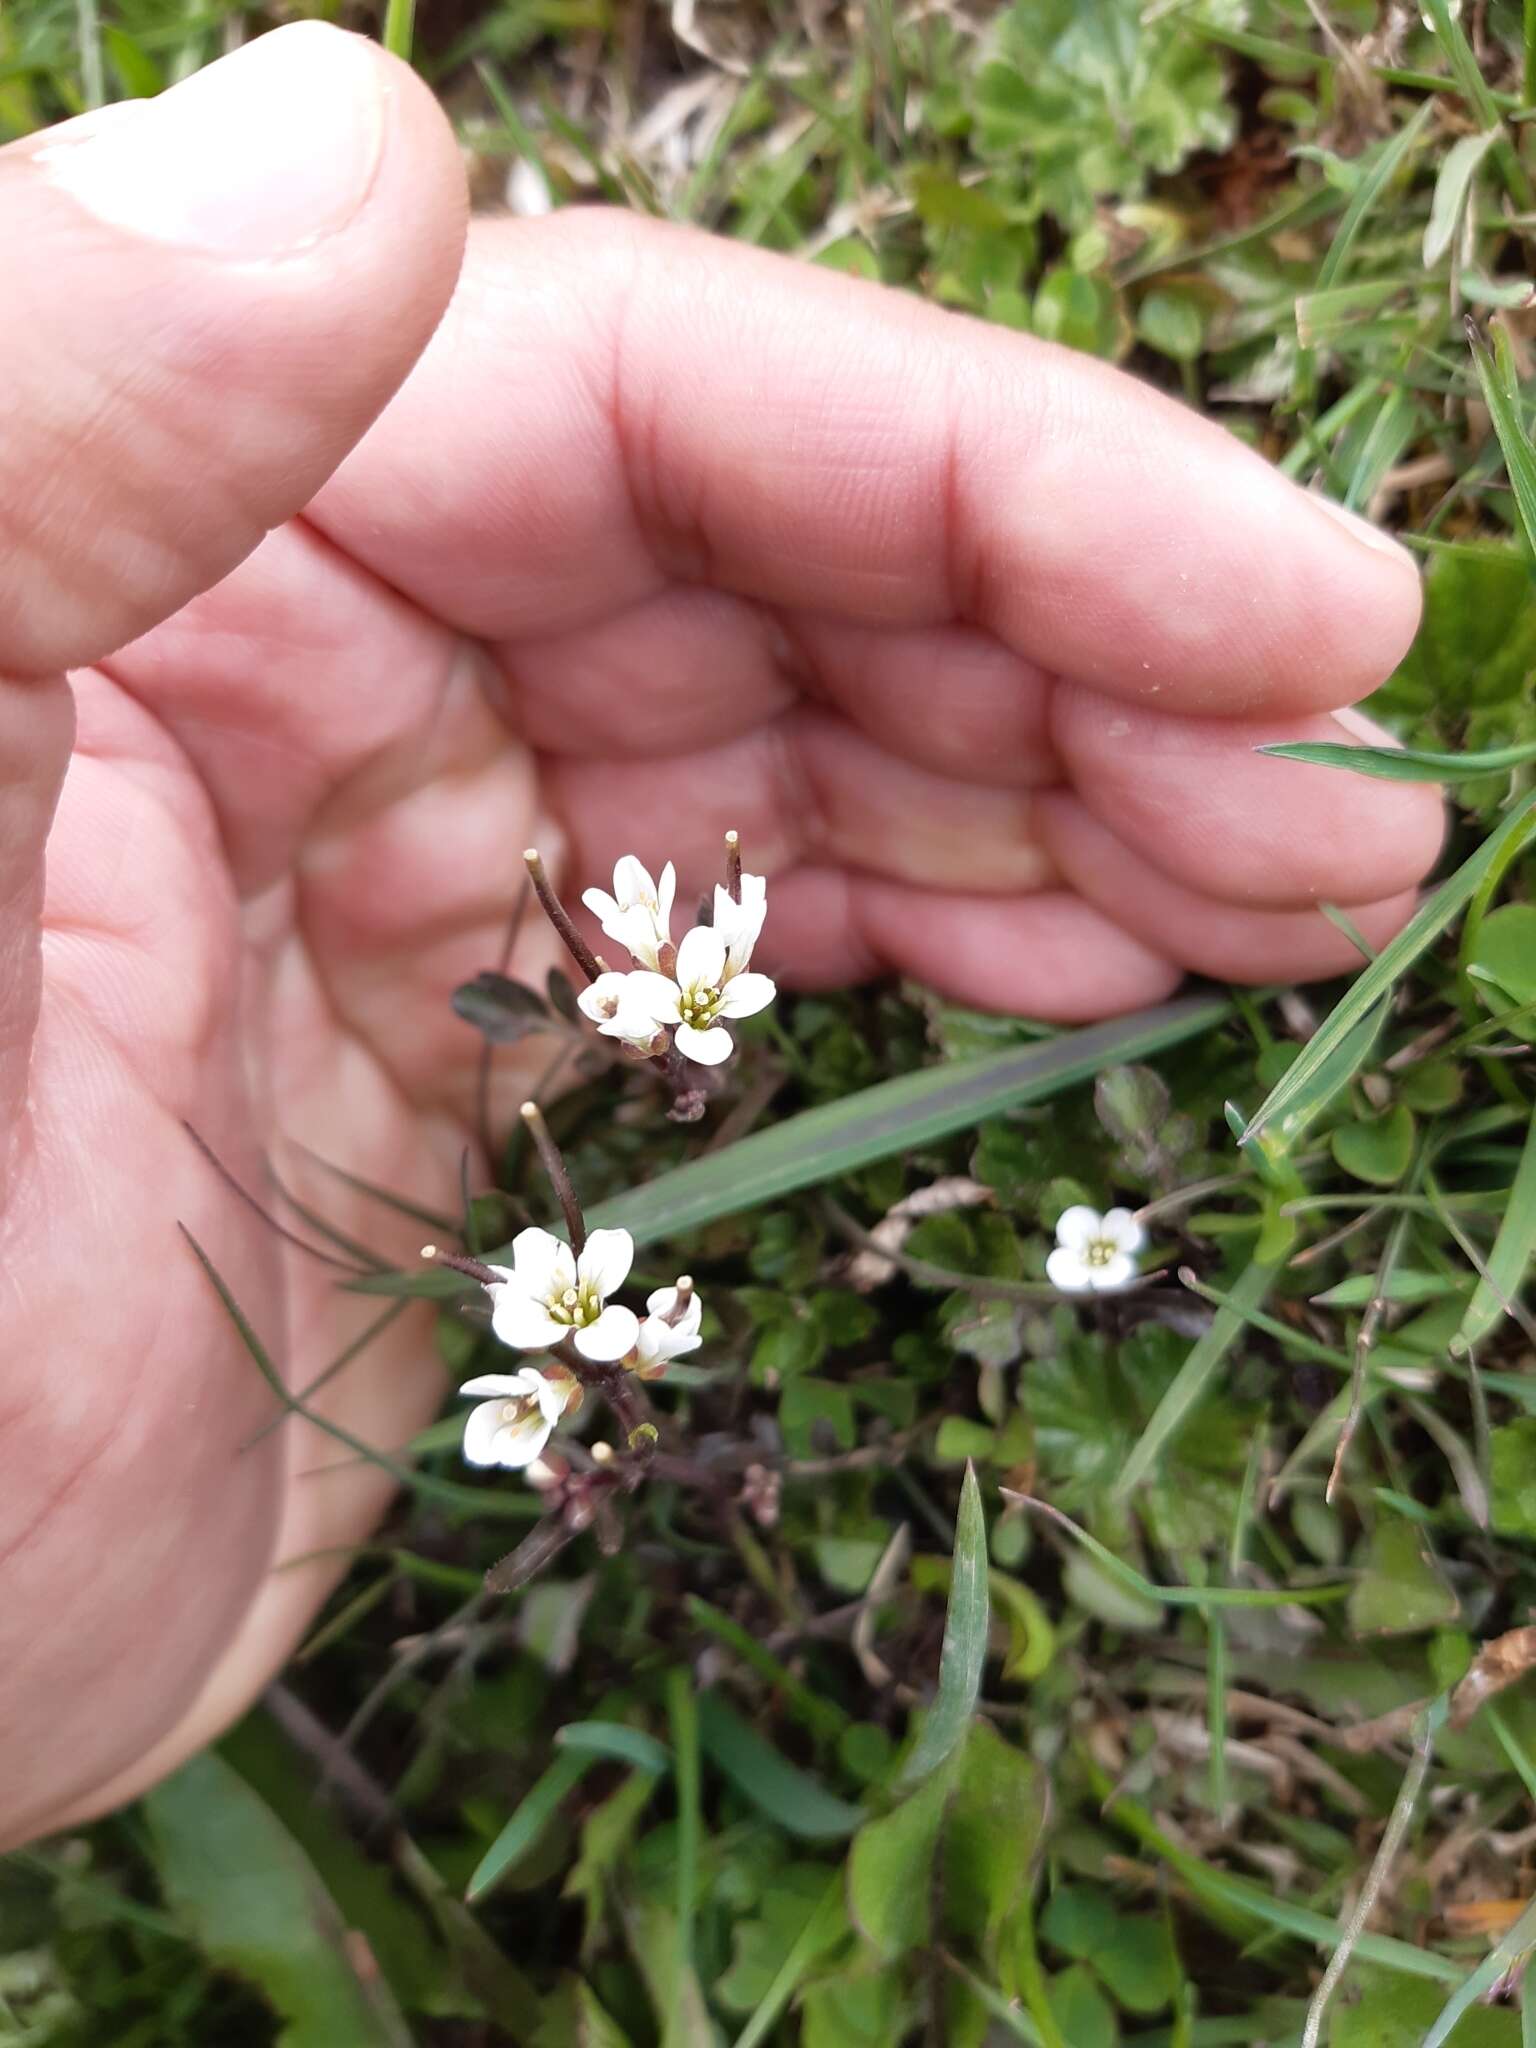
(560, 917)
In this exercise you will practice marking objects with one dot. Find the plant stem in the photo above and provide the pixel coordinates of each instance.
(554, 1165)
(560, 917)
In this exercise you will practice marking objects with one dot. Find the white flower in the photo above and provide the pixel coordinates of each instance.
(741, 924)
(661, 1339)
(1095, 1254)
(617, 1012)
(639, 912)
(512, 1426)
(707, 988)
(547, 1295)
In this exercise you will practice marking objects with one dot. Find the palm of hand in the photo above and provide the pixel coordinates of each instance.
(566, 594)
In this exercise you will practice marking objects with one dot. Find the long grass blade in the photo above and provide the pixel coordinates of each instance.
(1297, 1087)
(1500, 381)
(1403, 764)
(965, 1644)
(1510, 1259)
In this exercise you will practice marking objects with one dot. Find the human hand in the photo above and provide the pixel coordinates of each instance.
(970, 638)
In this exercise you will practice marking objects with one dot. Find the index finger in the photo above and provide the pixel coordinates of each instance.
(612, 404)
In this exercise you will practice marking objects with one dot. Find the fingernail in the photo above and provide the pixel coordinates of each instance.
(265, 152)
(1362, 530)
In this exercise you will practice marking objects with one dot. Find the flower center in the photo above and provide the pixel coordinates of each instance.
(1100, 1251)
(577, 1305)
(699, 1004)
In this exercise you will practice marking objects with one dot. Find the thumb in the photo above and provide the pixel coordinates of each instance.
(208, 297)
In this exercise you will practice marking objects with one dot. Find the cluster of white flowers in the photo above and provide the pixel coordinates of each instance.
(546, 1296)
(687, 988)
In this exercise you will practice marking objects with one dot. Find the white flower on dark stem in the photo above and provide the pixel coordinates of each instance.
(617, 1012)
(1095, 1254)
(741, 924)
(705, 989)
(662, 1338)
(513, 1421)
(546, 1295)
(638, 915)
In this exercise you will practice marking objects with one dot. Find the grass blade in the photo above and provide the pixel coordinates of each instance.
(965, 1644)
(1510, 1258)
(896, 1116)
(1366, 195)
(532, 1814)
(1194, 1376)
(616, 1742)
(798, 1802)
(1297, 1087)
(1503, 1957)
(1403, 764)
(400, 28)
(683, 1713)
(812, 1940)
(1501, 394)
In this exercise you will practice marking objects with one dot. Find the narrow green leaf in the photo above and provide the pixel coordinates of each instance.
(237, 1880)
(1298, 1086)
(1403, 764)
(531, 1816)
(1366, 194)
(1453, 188)
(891, 1118)
(890, 1870)
(1194, 1376)
(799, 1803)
(683, 1715)
(813, 1941)
(824, 1717)
(965, 1644)
(1501, 393)
(618, 1742)
(400, 28)
(1510, 1259)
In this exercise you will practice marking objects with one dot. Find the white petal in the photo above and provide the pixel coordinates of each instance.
(505, 1386)
(519, 1443)
(1075, 1226)
(552, 1396)
(1114, 1274)
(481, 1426)
(666, 889)
(605, 998)
(612, 1335)
(541, 1263)
(658, 1342)
(655, 995)
(664, 1301)
(709, 1047)
(602, 907)
(632, 883)
(1122, 1228)
(1069, 1270)
(605, 1261)
(701, 958)
(524, 1323)
(745, 994)
(637, 929)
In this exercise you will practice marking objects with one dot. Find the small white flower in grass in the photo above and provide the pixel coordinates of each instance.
(669, 1331)
(614, 1008)
(516, 1413)
(638, 915)
(547, 1295)
(1095, 1254)
(710, 981)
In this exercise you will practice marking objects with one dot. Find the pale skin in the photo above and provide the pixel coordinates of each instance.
(971, 639)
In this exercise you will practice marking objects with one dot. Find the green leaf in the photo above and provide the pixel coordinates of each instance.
(529, 1819)
(991, 1835)
(1512, 1477)
(1403, 764)
(1381, 169)
(1393, 2014)
(1505, 952)
(1195, 1375)
(1513, 1250)
(1082, 2012)
(1377, 1149)
(1400, 1591)
(1504, 1961)
(249, 1897)
(618, 1742)
(890, 1888)
(1300, 1087)
(895, 1117)
(1500, 381)
(1453, 189)
(965, 1644)
(799, 1803)
(501, 1010)
(573, 2018)
(1404, 1284)
(826, 1925)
